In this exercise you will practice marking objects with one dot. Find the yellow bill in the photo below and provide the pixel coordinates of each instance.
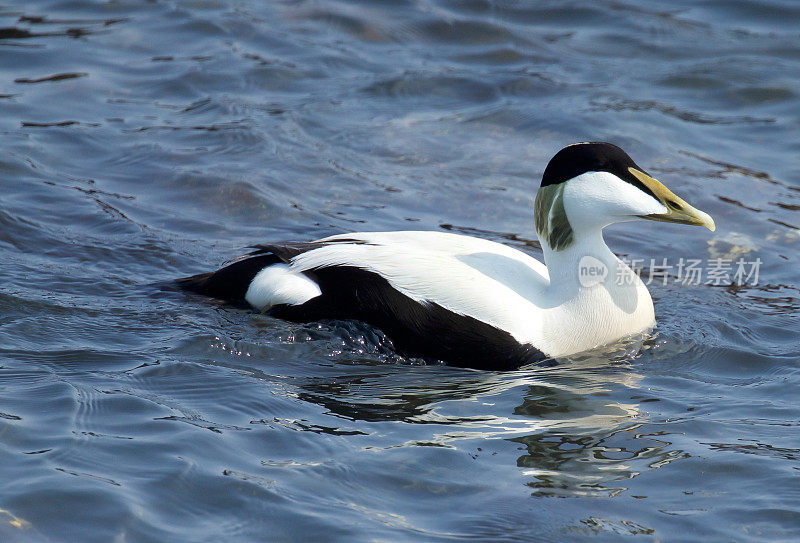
(678, 210)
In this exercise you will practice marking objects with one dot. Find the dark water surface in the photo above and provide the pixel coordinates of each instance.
(143, 141)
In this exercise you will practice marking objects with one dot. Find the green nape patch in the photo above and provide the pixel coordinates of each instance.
(550, 217)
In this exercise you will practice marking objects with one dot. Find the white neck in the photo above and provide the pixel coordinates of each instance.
(591, 309)
(563, 265)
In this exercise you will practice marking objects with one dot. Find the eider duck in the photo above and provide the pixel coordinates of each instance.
(469, 301)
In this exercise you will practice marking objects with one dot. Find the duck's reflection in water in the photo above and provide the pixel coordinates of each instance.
(578, 423)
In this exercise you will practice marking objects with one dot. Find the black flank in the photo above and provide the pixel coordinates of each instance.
(425, 330)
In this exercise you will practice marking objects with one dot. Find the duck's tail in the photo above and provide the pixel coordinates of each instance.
(231, 282)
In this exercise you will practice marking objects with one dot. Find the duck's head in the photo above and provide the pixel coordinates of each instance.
(587, 186)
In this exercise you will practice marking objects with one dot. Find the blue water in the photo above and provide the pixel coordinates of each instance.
(143, 141)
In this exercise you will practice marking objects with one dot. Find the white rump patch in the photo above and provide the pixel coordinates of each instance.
(278, 284)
